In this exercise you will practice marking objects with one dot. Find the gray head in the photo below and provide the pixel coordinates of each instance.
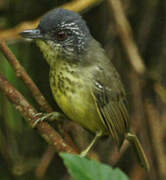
(63, 30)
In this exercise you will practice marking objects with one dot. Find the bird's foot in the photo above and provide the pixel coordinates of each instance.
(47, 116)
(84, 153)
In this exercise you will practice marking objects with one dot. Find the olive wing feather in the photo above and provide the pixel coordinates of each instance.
(111, 104)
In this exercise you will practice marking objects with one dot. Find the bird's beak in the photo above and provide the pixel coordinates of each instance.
(31, 34)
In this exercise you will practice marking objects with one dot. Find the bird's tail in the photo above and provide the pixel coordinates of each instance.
(132, 138)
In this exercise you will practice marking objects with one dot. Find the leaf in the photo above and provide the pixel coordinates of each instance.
(85, 169)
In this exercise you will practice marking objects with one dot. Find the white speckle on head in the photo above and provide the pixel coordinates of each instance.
(76, 43)
(70, 23)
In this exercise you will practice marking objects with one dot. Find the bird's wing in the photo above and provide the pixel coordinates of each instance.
(110, 100)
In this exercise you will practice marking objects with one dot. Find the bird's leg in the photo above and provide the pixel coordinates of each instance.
(132, 138)
(50, 116)
(97, 136)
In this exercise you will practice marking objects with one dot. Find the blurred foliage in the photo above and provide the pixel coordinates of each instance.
(21, 148)
(84, 169)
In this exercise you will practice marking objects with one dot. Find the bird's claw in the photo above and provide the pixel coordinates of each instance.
(43, 116)
(39, 118)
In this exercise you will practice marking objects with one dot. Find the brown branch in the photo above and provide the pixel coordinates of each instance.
(116, 155)
(44, 105)
(26, 109)
(126, 36)
(161, 91)
(44, 162)
(157, 137)
(81, 5)
(137, 173)
(4, 150)
(13, 33)
(21, 73)
(146, 23)
(77, 6)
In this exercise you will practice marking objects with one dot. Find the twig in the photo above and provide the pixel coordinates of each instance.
(49, 154)
(44, 162)
(13, 33)
(21, 73)
(126, 36)
(157, 137)
(161, 91)
(26, 109)
(4, 150)
(116, 155)
(81, 5)
(146, 23)
(137, 173)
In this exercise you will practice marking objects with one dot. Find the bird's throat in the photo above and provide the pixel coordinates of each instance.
(63, 73)
(49, 53)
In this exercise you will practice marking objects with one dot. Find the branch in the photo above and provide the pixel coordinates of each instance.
(161, 91)
(21, 73)
(44, 105)
(157, 137)
(126, 36)
(44, 162)
(117, 155)
(28, 111)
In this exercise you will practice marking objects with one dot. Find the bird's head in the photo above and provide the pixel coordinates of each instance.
(63, 31)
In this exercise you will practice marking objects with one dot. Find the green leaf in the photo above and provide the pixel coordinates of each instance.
(85, 169)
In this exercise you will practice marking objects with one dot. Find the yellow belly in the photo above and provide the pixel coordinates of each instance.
(76, 102)
(81, 109)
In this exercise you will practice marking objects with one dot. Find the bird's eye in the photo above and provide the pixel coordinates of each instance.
(61, 35)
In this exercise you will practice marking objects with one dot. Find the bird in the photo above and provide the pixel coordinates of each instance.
(84, 83)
